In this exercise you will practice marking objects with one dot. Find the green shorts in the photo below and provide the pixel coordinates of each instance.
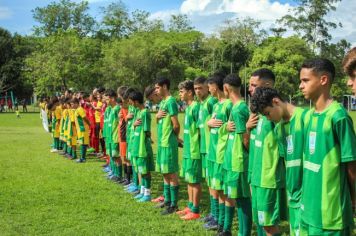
(217, 178)
(144, 164)
(114, 150)
(294, 221)
(267, 209)
(192, 170)
(209, 172)
(167, 160)
(236, 185)
(308, 230)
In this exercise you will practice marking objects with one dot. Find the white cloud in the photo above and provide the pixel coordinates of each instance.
(207, 15)
(5, 13)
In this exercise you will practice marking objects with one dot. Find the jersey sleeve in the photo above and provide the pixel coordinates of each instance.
(211, 103)
(346, 138)
(172, 108)
(146, 121)
(280, 140)
(81, 113)
(241, 119)
(196, 114)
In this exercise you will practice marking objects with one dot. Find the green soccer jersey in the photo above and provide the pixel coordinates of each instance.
(106, 130)
(205, 111)
(330, 143)
(131, 110)
(191, 132)
(265, 165)
(236, 155)
(140, 139)
(165, 127)
(291, 142)
(114, 123)
(221, 111)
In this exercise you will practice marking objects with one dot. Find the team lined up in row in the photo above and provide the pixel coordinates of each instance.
(249, 161)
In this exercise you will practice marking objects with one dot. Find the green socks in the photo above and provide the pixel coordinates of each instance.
(244, 215)
(216, 208)
(195, 209)
(83, 151)
(174, 195)
(221, 214)
(134, 176)
(73, 152)
(119, 171)
(166, 193)
(229, 216)
(190, 205)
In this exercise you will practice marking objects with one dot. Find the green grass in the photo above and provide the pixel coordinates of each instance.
(43, 193)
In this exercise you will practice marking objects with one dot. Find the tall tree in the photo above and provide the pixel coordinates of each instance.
(308, 19)
(179, 23)
(62, 16)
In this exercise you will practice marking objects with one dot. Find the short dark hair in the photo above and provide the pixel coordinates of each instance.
(218, 79)
(136, 96)
(74, 100)
(66, 100)
(349, 62)
(121, 90)
(127, 93)
(100, 90)
(320, 66)
(199, 80)
(262, 98)
(110, 93)
(163, 81)
(187, 85)
(264, 74)
(233, 80)
(149, 90)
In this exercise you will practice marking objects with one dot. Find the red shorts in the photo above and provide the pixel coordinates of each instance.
(123, 149)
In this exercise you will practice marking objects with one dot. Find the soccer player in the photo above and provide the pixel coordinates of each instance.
(154, 98)
(56, 117)
(72, 132)
(289, 129)
(191, 163)
(266, 168)
(329, 165)
(217, 145)
(167, 152)
(112, 132)
(349, 66)
(236, 186)
(142, 142)
(82, 126)
(205, 111)
(122, 135)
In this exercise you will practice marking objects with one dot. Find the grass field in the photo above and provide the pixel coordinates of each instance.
(43, 193)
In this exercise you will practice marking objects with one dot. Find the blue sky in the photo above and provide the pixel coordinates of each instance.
(205, 15)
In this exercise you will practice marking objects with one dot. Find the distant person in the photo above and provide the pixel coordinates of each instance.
(9, 105)
(24, 105)
(349, 66)
(18, 114)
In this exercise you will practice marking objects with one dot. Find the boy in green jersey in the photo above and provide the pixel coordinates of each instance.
(112, 139)
(289, 129)
(207, 103)
(191, 163)
(266, 168)
(349, 66)
(235, 166)
(142, 143)
(217, 145)
(167, 153)
(329, 163)
(154, 98)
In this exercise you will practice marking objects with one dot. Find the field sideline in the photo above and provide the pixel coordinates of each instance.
(43, 193)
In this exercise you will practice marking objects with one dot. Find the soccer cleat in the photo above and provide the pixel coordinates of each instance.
(53, 150)
(207, 218)
(145, 199)
(124, 182)
(114, 178)
(184, 211)
(224, 233)
(169, 210)
(133, 189)
(81, 160)
(191, 216)
(162, 204)
(158, 199)
(90, 150)
(138, 196)
(211, 225)
(135, 192)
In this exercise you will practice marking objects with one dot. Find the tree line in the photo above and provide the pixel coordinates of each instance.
(69, 48)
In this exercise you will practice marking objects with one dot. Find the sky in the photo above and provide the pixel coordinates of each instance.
(205, 15)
